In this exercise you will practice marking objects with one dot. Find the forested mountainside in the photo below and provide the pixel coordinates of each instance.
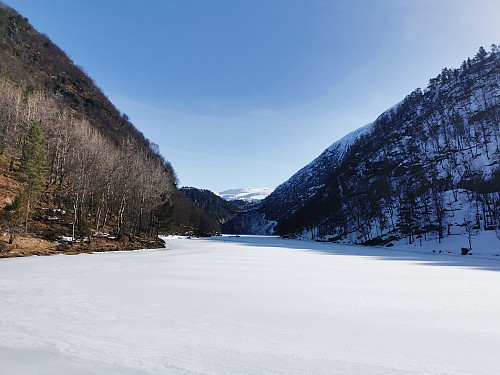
(428, 167)
(72, 166)
(213, 205)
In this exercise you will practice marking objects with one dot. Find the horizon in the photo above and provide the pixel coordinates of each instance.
(246, 94)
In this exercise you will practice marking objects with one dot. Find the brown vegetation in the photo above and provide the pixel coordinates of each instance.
(30, 245)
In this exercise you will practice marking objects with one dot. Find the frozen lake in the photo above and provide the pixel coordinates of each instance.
(250, 305)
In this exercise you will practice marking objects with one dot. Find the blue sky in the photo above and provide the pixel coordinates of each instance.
(244, 93)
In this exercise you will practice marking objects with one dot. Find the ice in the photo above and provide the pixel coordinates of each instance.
(250, 305)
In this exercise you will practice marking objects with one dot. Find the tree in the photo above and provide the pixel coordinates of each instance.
(164, 215)
(468, 225)
(12, 216)
(33, 167)
(481, 54)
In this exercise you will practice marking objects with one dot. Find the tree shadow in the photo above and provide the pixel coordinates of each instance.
(418, 257)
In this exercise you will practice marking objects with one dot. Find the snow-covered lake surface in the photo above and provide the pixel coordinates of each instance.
(250, 305)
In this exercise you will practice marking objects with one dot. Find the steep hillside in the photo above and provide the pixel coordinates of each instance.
(215, 206)
(299, 188)
(262, 217)
(73, 168)
(428, 168)
(30, 59)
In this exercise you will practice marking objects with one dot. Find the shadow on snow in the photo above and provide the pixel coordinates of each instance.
(413, 255)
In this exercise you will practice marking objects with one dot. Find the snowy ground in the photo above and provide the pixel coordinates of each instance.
(485, 244)
(250, 305)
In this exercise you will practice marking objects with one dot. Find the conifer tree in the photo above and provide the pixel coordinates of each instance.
(33, 167)
(481, 54)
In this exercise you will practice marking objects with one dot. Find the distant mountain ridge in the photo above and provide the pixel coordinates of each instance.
(245, 194)
(216, 207)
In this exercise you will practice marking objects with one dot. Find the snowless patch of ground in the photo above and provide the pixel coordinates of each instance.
(250, 305)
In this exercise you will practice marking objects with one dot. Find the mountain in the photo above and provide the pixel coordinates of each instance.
(428, 167)
(215, 206)
(299, 188)
(71, 165)
(249, 220)
(262, 217)
(245, 194)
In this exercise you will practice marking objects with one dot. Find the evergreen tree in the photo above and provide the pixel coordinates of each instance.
(164, 215)
(33, 167)
(481, 54)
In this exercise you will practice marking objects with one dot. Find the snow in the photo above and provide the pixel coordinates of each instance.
(246, 194)
(460, 209)
(485, 244)
(299, 188)
(250, 305)
(318, 170)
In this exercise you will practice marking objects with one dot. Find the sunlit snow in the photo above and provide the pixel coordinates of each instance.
(250, 305)
(246, 194)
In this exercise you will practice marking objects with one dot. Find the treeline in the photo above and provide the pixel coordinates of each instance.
(430, 166)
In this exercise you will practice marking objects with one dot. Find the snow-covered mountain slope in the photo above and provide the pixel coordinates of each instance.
(295, 192)
(393, 177)
(299, 188)
(430, 167)
(245, 194)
